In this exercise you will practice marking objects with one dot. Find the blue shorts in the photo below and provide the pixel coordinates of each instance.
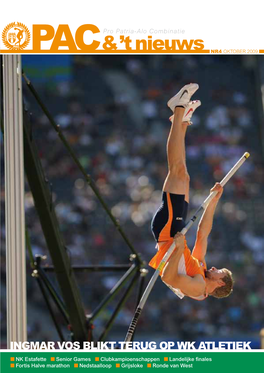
(170, 217)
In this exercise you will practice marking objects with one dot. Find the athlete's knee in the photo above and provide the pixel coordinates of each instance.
(179, 171)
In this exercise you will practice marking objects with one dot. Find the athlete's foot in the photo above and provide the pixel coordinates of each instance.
(183, 97)
(189, 110)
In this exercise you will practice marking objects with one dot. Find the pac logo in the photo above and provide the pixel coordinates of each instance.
(16, 36)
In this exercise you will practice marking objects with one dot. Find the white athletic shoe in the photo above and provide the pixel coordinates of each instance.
(189, 110)
(183, 97)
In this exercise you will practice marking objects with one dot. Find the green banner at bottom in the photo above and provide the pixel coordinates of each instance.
(155, 360)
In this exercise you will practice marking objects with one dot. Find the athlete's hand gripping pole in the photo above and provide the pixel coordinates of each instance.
(133, 324)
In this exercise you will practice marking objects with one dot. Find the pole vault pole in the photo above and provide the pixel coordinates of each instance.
(14, 205)
(133, 324)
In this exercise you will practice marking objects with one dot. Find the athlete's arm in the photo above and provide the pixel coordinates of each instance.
(205, 225)
(191, 286)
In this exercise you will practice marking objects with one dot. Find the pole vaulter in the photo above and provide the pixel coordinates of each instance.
(184, 273)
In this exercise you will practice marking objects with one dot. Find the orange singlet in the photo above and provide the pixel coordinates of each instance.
(188, 264)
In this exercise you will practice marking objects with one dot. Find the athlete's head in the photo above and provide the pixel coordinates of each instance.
(221, 282)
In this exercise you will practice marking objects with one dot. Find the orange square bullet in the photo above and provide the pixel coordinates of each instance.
(75, 365)
(12, 359)
(149, 365)
(97, 359)
(166, 358)
(117, 365)
(52, 359)
(12, 365)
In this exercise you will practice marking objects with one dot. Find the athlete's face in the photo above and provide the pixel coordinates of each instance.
(215, 274)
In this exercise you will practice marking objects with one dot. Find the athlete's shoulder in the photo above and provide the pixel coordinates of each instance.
(199, 279)
(192, 286)
(199, 288)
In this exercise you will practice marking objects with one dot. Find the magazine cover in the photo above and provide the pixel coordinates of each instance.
(132, 173)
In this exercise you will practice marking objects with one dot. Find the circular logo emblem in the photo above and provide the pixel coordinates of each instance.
(16, 36)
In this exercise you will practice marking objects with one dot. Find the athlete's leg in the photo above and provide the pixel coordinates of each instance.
(170, 217)
(177, 180)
